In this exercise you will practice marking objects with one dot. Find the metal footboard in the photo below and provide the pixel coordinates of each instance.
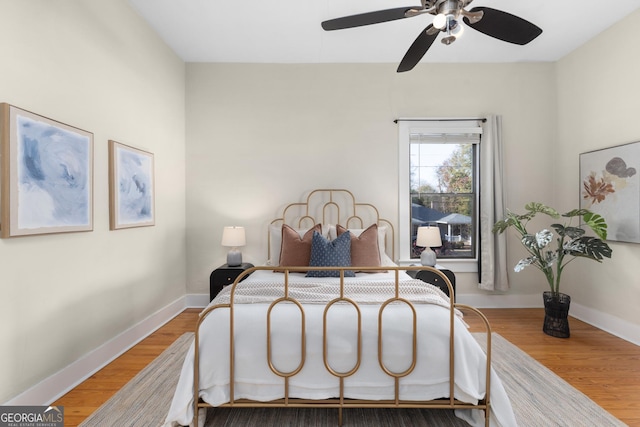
(341, 401)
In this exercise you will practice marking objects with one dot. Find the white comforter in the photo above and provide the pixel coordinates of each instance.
(254, 379)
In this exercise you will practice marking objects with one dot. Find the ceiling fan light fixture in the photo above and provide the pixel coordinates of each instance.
(453, 29)
(440, 21)
(448, 40)
(457, 30)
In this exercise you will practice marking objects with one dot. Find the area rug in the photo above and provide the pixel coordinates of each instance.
(538, 396)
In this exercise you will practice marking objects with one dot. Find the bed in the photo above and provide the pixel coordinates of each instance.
(330, 320)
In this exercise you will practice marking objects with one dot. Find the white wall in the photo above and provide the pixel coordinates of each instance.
(262, 136)
(97, 66)
(598, 106)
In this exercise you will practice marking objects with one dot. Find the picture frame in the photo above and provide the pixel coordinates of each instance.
(610, 186)
(131, 187)
(46, 174)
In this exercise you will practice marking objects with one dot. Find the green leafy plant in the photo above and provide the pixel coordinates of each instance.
(570, 242)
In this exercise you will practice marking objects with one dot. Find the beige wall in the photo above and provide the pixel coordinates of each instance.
(261, 136)
(599, 106)
(97, 66)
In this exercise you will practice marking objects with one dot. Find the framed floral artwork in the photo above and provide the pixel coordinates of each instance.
(47, 175)
(610, 186)
(131, 187)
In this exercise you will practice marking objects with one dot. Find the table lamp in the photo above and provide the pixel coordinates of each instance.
(233, 237)
(427, 238)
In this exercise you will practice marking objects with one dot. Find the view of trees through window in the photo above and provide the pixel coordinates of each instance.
(443, 194)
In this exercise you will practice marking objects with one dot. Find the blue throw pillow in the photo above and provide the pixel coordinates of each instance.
(335, 253)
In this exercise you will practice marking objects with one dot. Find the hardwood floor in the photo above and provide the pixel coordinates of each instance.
(605, 368)
(83, 400)
(602, 366)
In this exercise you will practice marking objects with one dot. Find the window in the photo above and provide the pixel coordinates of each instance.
(439, 186)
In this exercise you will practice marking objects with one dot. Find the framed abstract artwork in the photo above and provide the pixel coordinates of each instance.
(131, 187)
(46, 175)
(610, 186)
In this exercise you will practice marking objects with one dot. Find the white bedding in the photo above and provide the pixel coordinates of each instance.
(254, 380)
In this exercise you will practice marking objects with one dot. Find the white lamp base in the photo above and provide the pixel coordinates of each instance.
(234, 257)
(428, 257)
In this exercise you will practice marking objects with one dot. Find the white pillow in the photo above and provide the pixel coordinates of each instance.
(330, 231)
(386, 261)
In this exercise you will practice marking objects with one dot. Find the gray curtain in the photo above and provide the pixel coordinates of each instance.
(493, 252)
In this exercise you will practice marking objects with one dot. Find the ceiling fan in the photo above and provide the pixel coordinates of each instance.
(447, 16)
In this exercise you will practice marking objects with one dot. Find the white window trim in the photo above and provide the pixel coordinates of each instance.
(405, 128)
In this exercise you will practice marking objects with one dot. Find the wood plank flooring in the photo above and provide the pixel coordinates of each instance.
(605, 368)
(83, 400)
(602, 366)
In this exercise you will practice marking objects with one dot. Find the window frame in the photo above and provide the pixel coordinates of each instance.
(405, 128)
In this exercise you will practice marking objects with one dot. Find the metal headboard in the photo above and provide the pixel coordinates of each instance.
(334, 206)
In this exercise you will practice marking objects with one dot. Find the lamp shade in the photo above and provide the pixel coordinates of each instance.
(233, 237)
(428, 237)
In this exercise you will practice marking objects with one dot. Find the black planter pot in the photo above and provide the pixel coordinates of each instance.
(556, 314)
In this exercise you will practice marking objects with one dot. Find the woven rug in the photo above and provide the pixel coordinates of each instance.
(538, 396)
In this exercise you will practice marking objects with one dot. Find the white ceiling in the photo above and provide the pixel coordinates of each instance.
(288, 31)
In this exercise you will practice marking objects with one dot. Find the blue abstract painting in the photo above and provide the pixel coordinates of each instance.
(133, 187)
(54, 177)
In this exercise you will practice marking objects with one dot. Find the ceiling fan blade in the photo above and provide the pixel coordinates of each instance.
(367, 18)
(416, 51)
(504, 26)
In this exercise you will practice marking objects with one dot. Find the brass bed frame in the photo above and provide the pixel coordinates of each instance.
(340, 402)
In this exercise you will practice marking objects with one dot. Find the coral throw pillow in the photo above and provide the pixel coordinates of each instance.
(296, 250)
(364, 248)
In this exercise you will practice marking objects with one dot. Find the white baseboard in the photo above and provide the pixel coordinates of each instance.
(55, 386)
(608, 323)
(501, 301)
(52, 388)
(197, 300)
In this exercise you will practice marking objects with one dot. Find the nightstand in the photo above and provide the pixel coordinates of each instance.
(428, 276)
(225, 275)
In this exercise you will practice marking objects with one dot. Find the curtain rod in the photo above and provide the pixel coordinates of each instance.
(446, 119)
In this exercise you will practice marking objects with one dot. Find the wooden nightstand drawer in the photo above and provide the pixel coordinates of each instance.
(432, 278)
(224, 276)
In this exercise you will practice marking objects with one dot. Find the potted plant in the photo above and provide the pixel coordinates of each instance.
(570, 243)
